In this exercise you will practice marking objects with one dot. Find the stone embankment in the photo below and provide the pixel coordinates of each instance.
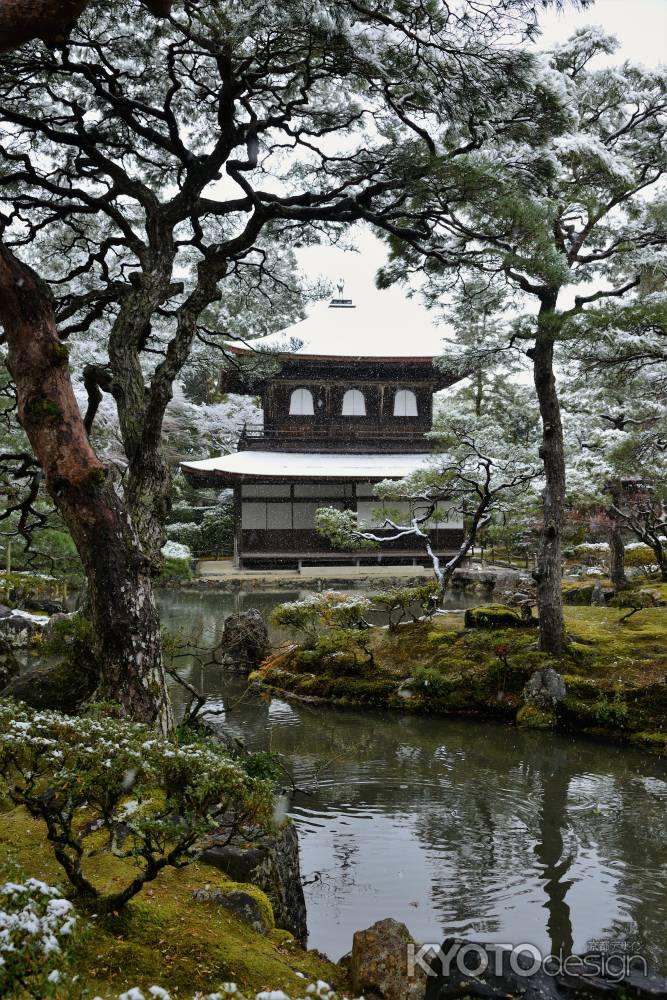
(476, 578)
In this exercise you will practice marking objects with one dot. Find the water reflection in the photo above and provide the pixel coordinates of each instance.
(456, 827)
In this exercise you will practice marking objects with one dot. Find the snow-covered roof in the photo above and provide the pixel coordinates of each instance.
(341, 329)
(302, 465)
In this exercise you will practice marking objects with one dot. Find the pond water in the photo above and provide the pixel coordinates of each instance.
(455, 827)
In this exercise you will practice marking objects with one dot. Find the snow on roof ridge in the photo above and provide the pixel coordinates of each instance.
(403, 331)
(288, 464)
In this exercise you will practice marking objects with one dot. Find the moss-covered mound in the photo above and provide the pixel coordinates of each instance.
(614, 672)
(166, 936)
(493, 616)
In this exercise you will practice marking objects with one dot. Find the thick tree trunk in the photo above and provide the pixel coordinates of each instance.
(120, 592)
(149, 499)
(616, 556)
(548, 570)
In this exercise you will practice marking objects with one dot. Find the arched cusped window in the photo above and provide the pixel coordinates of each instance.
(354, 404)
(301, 403)
(405, 403)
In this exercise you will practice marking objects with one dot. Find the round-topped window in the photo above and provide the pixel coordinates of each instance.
(354, 404)
(405, 403)
(301, 403)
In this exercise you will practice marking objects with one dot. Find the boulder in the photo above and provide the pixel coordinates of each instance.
(245, 639)
(464, 969)
(5, 612)
(58, 686)
(18, 630)
(271, 863)
(379, 963)
(545, 689)
(242, 904)
(493, 616)
(597, 595)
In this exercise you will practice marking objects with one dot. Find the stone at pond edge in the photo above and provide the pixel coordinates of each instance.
(379, 962)
(241, 904)
(545, 689)
(494, 976)
(18, 631)
(245, 639)
(272, 864)
(62, 687)
(493, 616)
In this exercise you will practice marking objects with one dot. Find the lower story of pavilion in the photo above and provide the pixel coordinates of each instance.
(276, 496)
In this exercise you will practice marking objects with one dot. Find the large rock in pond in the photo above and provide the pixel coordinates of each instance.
(62, 686)
(245, 639)
(379, 963)
(271, 862)
(465, 969)
(494, 616)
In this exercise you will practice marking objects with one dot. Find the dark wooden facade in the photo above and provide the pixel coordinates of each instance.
(274, 515)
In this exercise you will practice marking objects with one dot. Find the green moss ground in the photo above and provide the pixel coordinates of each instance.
(615, 673)
(164, 937)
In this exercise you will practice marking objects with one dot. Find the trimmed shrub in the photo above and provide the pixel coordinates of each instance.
(317, 612)
(185, 534)
(104, 784)
(217, 532)
(399, 603)
(177, 562)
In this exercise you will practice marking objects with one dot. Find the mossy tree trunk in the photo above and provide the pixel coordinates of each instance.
(548, 569)
(120, 593)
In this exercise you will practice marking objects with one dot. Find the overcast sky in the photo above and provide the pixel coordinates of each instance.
(641, 28)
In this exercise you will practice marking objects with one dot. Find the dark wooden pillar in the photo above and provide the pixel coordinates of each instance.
(238, 555)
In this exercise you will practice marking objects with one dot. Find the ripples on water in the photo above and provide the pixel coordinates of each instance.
(456, 827)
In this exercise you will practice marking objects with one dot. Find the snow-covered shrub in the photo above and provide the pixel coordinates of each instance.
(590, 553)
(175, 550)
(398, 603)
(98, 783)
(185, 533)
(177, 561)
(333, 628)
(640, 557)
(185, 513)
(34, 921)
(315, 612)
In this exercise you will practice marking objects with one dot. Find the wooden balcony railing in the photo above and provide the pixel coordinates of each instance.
(339, 432)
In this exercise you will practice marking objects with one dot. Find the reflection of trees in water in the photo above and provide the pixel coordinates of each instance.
(550, 850)
(623, 813)
(485, 838)
(496, 810)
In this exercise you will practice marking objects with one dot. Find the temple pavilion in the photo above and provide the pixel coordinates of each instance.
(346, 405)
